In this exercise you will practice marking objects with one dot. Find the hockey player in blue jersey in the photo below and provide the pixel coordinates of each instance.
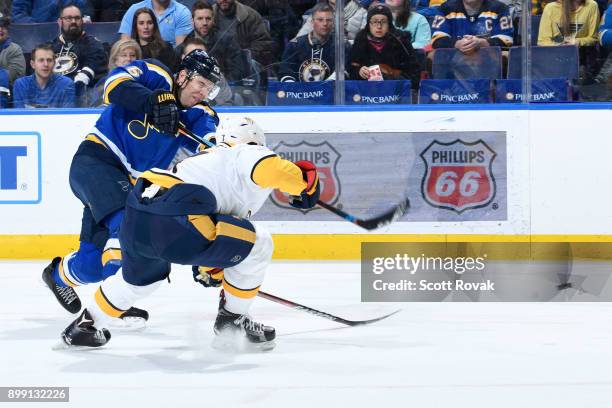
(137, 131)
(472, 24)
(198, 214)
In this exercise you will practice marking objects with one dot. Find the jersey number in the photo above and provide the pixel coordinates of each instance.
(438, 21)
(505, 23)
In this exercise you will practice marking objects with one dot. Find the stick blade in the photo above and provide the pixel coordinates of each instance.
(364, 322)
(390, 216)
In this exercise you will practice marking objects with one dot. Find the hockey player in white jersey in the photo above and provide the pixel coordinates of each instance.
(198, 214)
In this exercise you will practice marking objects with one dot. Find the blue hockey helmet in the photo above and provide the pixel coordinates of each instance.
(198, 62)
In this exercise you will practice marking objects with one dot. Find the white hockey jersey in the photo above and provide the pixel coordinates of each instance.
(241, 177)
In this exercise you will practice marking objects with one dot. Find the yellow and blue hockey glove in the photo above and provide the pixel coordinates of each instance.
(208, 277)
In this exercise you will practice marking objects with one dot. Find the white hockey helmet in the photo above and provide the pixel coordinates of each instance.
(240, 130)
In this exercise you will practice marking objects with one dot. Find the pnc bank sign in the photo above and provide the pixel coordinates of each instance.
(20, 168)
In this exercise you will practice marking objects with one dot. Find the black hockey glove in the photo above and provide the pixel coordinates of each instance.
(209, 278)
(163, 111)
(310, 195)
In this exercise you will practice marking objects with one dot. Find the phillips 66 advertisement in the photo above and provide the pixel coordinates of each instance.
(448, 176)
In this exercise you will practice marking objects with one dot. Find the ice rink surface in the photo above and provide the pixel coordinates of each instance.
(430, 355)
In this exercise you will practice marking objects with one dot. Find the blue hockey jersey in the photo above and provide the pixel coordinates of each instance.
(123, 127)
(492, 22)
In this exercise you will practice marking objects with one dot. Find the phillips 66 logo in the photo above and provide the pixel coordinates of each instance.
(324, 156)
(458, 175)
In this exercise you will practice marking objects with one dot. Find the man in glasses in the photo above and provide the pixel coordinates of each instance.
(137, 131)
(78, 55)
(311, 57)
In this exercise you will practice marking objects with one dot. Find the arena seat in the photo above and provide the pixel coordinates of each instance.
(546, 62)
(450, 63)
(29, 36)
(107, 33)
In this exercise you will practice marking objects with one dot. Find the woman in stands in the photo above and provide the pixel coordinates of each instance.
(569, 22)
(379, 43)
(407, 20)
(573, 22)
(122, 53)
(145, 30)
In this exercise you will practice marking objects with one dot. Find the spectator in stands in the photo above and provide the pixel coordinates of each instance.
(173, 18)
(225, 94)
(11, 54)
(355, 16)
(43, 89)
(382, 44)
(247, 26)
(110, 10)
(312, 57)
(569, 22)
(122, 53)
(146, 32)
(472, 24)
(224, 48)
(407, 20)
(44, 11)
(283, 23)
(78, 55)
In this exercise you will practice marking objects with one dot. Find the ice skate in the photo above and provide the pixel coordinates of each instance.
(66, 296)
(82, 333)
(241, 333)
(132, 319)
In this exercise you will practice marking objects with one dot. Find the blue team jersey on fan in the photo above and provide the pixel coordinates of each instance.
(126, 131)
(492, 22)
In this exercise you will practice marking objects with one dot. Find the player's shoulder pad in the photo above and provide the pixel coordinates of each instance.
(135, 69)
(152, 62)
(152, 68)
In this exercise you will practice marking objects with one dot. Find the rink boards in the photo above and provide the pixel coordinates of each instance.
(484, 174)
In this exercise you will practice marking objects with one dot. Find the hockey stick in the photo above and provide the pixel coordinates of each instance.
(319, 313)
(188, 133)
(372, 223)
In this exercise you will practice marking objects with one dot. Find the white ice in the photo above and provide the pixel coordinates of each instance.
(429, 355)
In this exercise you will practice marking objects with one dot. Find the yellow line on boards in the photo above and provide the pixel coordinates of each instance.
(327, 246)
